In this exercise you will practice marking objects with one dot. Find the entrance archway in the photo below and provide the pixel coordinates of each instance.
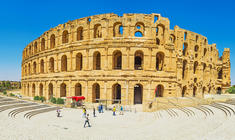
(50, 90)
(194, 91)
(78, 89)
(219, 90)
(116, 96)
(138, 94)
(41, 90)
(184, 91)
(63, 90)
(95, 93)
(33, 90)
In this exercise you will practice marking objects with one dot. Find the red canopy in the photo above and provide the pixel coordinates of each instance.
(77, 98)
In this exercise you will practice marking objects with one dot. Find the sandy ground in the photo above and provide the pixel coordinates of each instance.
(130, 126)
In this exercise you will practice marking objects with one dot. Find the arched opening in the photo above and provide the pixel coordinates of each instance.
(34, 67)
(195, 67)
(203, 90)
(30, 50)
(194, 91)
(159, 91)
(209, 90)
(28, 90)
(42, 66)
(159, 61)
(96, 61)
(117, 29)
(29, 69)
(52, 41)
(64, 63)
(196, 48)
(51, 64)
(79, 33)
(33, 90)
(43, 44)
(65, 37)
(117, 60)
(138, 94)
(205, 50)
(138, 34)
(172, 38)
(35, 47)
(41, 90)
(204, 67)
(157, 41)
(219, 90)
(220, 74)
(50, 90)
(98, 31)
(185, 47)
(79, 61)
(95, 93)
(184, 69)
(78, 89)
(184, 91)
(116, 96)
(139, 56)
(63, 90)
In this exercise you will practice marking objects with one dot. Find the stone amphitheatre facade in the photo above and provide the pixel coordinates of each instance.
(132, 58)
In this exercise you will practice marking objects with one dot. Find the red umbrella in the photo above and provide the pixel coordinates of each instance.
(77, 98)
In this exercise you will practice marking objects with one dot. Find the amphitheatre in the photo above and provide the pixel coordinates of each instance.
(171, 83)
(130, 59)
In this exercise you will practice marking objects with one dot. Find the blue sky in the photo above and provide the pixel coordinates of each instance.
(22, 21)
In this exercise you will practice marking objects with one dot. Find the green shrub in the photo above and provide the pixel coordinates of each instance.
(231, 90)
(53, 100)
(4, 92)
(60, 101)
(36, 98)
(41, 98)
(11, 94)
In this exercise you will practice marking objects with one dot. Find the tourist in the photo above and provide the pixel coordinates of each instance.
(58, 112)
(84, 112)
(114, 111)
(87, 121)
(101, 108)
(121, 110)
(94, 111)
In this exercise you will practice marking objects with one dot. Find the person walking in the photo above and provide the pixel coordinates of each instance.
(84, 112)
(121, 110)
(94, 111)
(58, 112)
(114, 111)
(87, 121)
(101, 108)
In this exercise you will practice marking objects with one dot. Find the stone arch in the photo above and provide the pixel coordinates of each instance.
(33, 90)
(78, 89)
(95, 92)
(98, 31)
(184, 72)
(35, 47)
(43, 44)
(52, 41)
(184, 90)
(204, 66)
(172, 38)
(116, 93)
(219, 90)
(160, 31)
(29, 67)
(41, 89)
(158, 41)
(139, 29)
(159, 61)
(34, 67)
(194, 91)
(28, 90)
(159, 91)
(30, 50)
(117, 29)
(185, 48)
(138, 94)
(195, 65)
(205, 50)
(196, 48)
(64, 63)
(220, 73)
(139, 60)
(65, 36)
(203, 90)
(63, 90)
(50, 90)
(79, 33)
(96, 61)
(79, 61)
(42, 66)
(117, 60)
(51, 64)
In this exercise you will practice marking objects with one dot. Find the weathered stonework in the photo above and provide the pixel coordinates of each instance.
(123, 58)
